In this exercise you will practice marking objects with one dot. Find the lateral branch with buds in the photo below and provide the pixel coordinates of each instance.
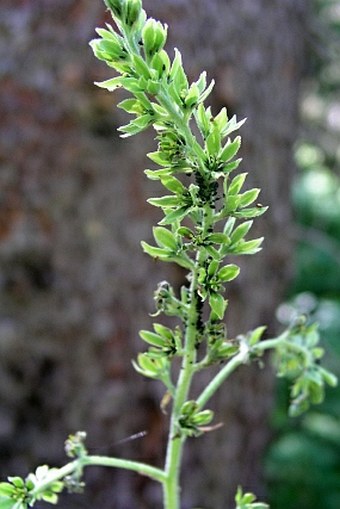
(206, 218)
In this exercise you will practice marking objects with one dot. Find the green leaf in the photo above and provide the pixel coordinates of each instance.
(213, 252)
(141, 66)
(111, 84)
(248, 197)
(251, 212)
(164, 201)
(131, 85)
(136, 126)
(248, 247)
(165, 238)
(218, 238)
(155, 252)
(6, 489)
(173, 184)
(328, 377)
(157, 174)
(177, 74)
(229, 225)
(152, 338)
(207, 91)
(184, 231)
(10, 503)
(51, 498)
(212, 268)
(201, 83)
(237, 183)
(18, 482)
(131, 106)
(230, 149)
(229, 167)
(256, 335)
(228, 272)
(213, 142)
(202, 117)
(161, 63)
(175, 215)
(217, 304)
(192, 96)
(232, 126)
(221, 119)
(148, 366)
(240, 231)
(163, 331)
(158, 157)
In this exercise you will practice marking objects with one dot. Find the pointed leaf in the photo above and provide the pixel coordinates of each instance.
(217, 304)
(230, 149)
(228, 272)
(165, 238)
(248, 197)
(240, 231)
(248, 247)
(251, 212)
(111, 84)
(173, 184)
(151, 338)
(164, 201)
(155, 252)
(175, 215)
(237, 183)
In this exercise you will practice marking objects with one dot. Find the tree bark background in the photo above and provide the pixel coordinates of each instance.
(74, 285)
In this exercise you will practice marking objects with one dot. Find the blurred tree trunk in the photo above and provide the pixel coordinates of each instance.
(74, 286)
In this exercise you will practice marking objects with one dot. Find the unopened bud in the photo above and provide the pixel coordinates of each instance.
(107, 50)
(116, 6)
(203, 418)
(133, 9)
(153, 36)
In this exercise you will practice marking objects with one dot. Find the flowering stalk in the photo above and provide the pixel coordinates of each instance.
(206, 218)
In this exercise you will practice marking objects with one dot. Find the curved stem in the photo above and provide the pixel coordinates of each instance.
(77, 465)
(154, 473)
(241, 358)
(221, 376)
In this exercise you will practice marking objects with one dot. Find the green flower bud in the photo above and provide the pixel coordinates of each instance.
(192, 96)
(202, 418)
(133, 9)
(153, 36)
(108, 50)
(116, 6)
(189, 407)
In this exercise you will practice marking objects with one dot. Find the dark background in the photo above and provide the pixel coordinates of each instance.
(74, 285)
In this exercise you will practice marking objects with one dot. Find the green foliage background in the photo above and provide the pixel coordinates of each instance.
(303, 463)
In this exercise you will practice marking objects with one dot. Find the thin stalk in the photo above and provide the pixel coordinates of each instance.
(77, 465)
(154, 473)
(242, 358)
(218, 380)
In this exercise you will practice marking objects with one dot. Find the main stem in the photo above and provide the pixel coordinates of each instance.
(176, 440)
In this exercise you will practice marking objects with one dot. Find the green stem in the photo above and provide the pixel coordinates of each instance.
(77, 465)
(218, 380)
(176, 440)
(56, 475)
(141, 468)
(242, 358)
